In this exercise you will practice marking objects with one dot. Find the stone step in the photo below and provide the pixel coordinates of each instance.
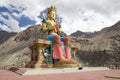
(20, 71)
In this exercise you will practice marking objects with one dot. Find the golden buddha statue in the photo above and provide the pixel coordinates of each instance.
(53, 28)
(50, 24)
(60, 49)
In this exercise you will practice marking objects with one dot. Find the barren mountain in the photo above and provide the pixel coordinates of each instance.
(100, 48)
(15, 50)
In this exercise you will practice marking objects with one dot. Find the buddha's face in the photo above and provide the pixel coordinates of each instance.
(52, 15)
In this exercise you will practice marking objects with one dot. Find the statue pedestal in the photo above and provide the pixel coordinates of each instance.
(37, 57)
(66, 63)
(39, 60)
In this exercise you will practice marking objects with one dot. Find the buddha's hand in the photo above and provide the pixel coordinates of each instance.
(59, 31)
(49, 25)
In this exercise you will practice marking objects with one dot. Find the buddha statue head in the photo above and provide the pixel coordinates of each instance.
(51, 13)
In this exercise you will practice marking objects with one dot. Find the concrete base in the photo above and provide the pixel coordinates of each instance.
(38, 71)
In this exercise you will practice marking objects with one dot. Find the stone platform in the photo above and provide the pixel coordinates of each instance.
(38, 71)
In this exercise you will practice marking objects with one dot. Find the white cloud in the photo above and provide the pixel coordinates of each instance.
(4, 27)
(99, 14)
(87, 15)
(11, 22)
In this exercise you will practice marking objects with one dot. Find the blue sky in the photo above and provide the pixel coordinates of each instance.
(7, 13)
(23, 20)
(87, 15)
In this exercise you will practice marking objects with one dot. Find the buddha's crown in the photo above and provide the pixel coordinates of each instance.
(52, 8)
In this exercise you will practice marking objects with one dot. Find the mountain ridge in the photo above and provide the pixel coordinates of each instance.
(105, 32)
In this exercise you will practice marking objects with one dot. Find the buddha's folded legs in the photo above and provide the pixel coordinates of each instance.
(57, 49)
(67, 47)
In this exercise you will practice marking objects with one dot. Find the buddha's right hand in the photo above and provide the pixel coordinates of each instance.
(50, 27)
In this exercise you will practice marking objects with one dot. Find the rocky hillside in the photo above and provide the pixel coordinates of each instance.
(15, 50)
(4, 35)
(100, 48)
